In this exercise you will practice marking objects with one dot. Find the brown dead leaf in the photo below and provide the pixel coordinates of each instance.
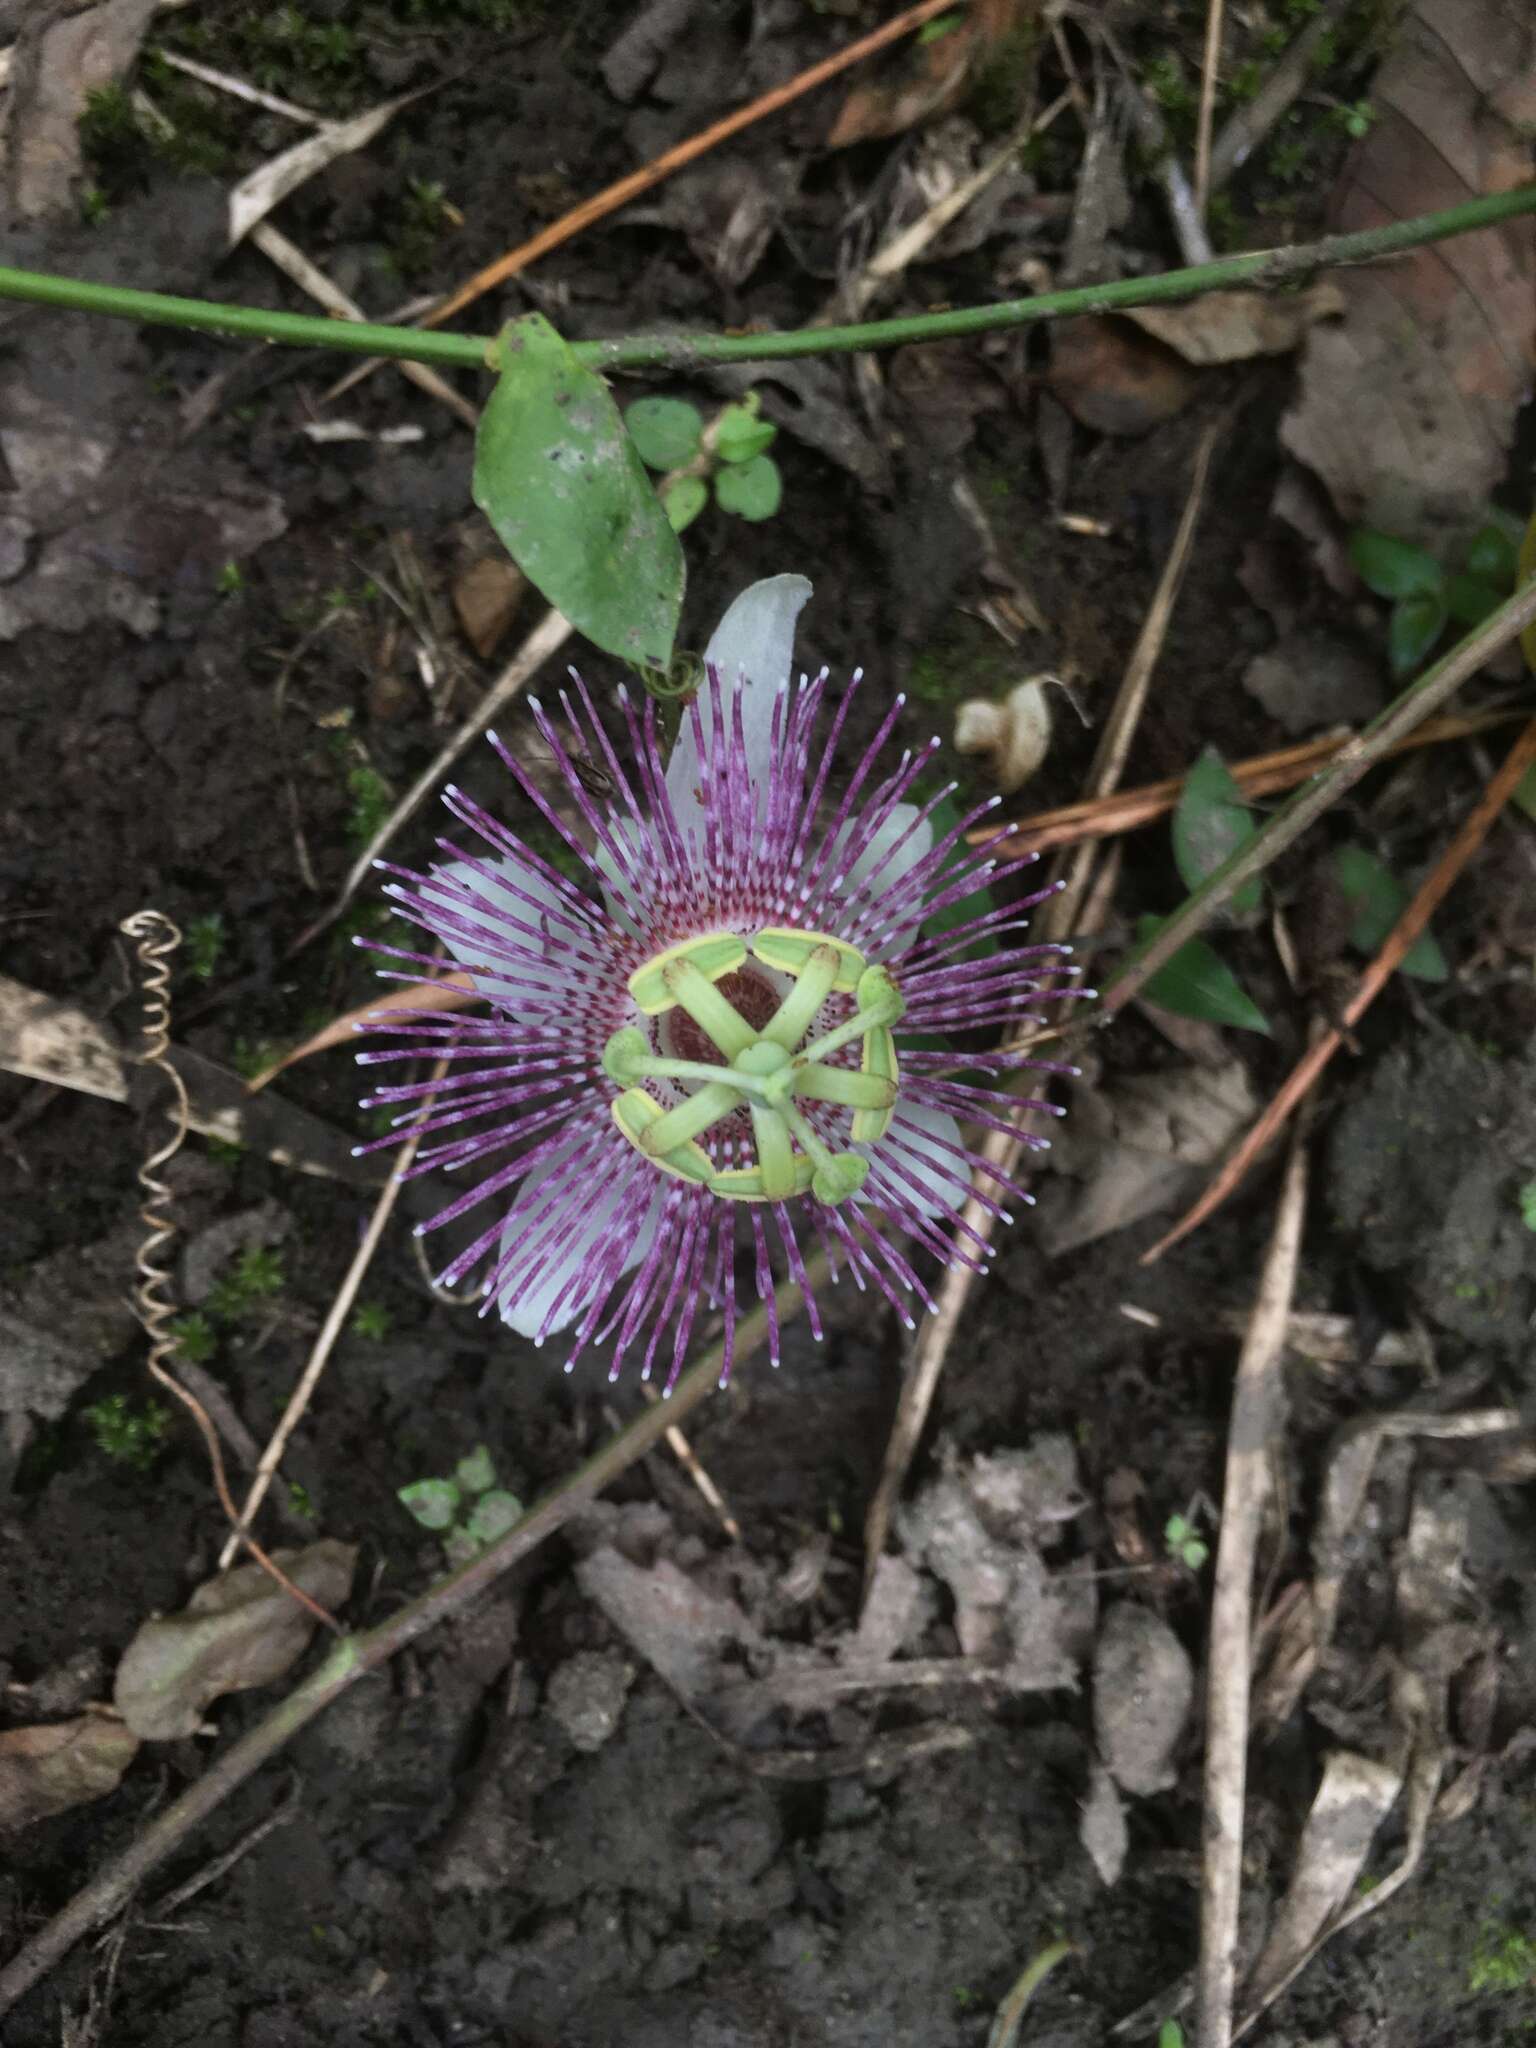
(237, 1631)
(1143, 1689)
(450, 992)
(929, 76)
(61, 57)
(67, 1763)
(1113, 378)
(1232, 327)
(486, 596)
(1407, 405)
(1137, 1145)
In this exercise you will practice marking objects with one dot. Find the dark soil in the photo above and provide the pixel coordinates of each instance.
(451, 1866)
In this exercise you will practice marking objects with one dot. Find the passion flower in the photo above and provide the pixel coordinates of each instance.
(732, 1032)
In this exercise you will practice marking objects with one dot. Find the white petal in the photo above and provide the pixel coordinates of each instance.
(752, 647)
(916, 845)
(597, 1207)
(941, 1181)
(541, 969)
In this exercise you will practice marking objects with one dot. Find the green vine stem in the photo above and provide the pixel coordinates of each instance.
(1266, 269)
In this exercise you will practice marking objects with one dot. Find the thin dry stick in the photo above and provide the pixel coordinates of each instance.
(355, 1656)
(156, 939)
(687, 1457)
(1210, 65)
(1129, 809)
(998, 1148)
(1400, 941)
(330, 1329)
(1257, 1403)
(1401, 717)
(547, 638)
(612, 197)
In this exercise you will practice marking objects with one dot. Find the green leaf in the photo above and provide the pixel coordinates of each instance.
(476, 1472)
(1525, 793)
(1414, 627)
(1209, 826)
(944, 817)
(1377, 898)
(751, 490)
(743, 433)
(494, 1514)
(434, 1502)
(1471, 601)
(1194, 983)
(561, 482)
(667, 431)
(1392, 567)
(685, 501)
(1492, 555)
(1170, 2035)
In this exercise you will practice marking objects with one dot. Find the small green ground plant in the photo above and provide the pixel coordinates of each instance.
(467, 1511)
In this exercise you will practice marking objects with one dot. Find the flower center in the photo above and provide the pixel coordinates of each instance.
(736, 1044)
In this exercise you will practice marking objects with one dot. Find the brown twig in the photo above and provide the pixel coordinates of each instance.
(688, 1458)
(330, 1329)
(1127, 810)
(155, 939)
(1001, 1150)
(1257, 1404)
(355, 1656)
(660, 168)
(1398, 944)
(1209, 67)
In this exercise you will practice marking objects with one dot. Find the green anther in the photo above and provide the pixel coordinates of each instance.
(635, 1113)
(818, 978)
(745, 1183)
(880, 1005)
(775, 1154)
(715, 954)
(867, 1092)
(790, 952)
(719, 1019)
(624, 1053)
(839, 1178)
(871, 1122)
(686, 1119)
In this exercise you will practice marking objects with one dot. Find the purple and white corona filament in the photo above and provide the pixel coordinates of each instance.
(702, 1052)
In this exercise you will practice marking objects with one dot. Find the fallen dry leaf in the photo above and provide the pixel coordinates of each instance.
(1113, 378)
(928, 76)
(237, 1631)
(67, 1763)
(1232, 327)
(486, 596)
(450, 992)
(1407, 404)
(1103, 1829)
(61, 58)
(1311, 679)
(1136, 1146)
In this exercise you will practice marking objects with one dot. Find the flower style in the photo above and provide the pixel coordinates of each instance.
(731, 1018)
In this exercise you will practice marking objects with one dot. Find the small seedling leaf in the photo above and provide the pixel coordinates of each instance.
(494, 1514)
(1170, 2035)
(1471, 600)
(743, 433)
(1393, 567)
(1414, 627)
(685, 501)
(564, 487)
(433, 1502)
(476, 1472)
(1195, 983)
(1525, 793)
(1209, 826)
(1528, 569)
(752, 490)
(667, 431)
(1493, 555)
(1528, 1205)
(1377, 898)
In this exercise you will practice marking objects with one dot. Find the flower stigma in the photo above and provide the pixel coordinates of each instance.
(755, 1060)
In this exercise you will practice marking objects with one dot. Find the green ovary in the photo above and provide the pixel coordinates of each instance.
(767, 1072)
